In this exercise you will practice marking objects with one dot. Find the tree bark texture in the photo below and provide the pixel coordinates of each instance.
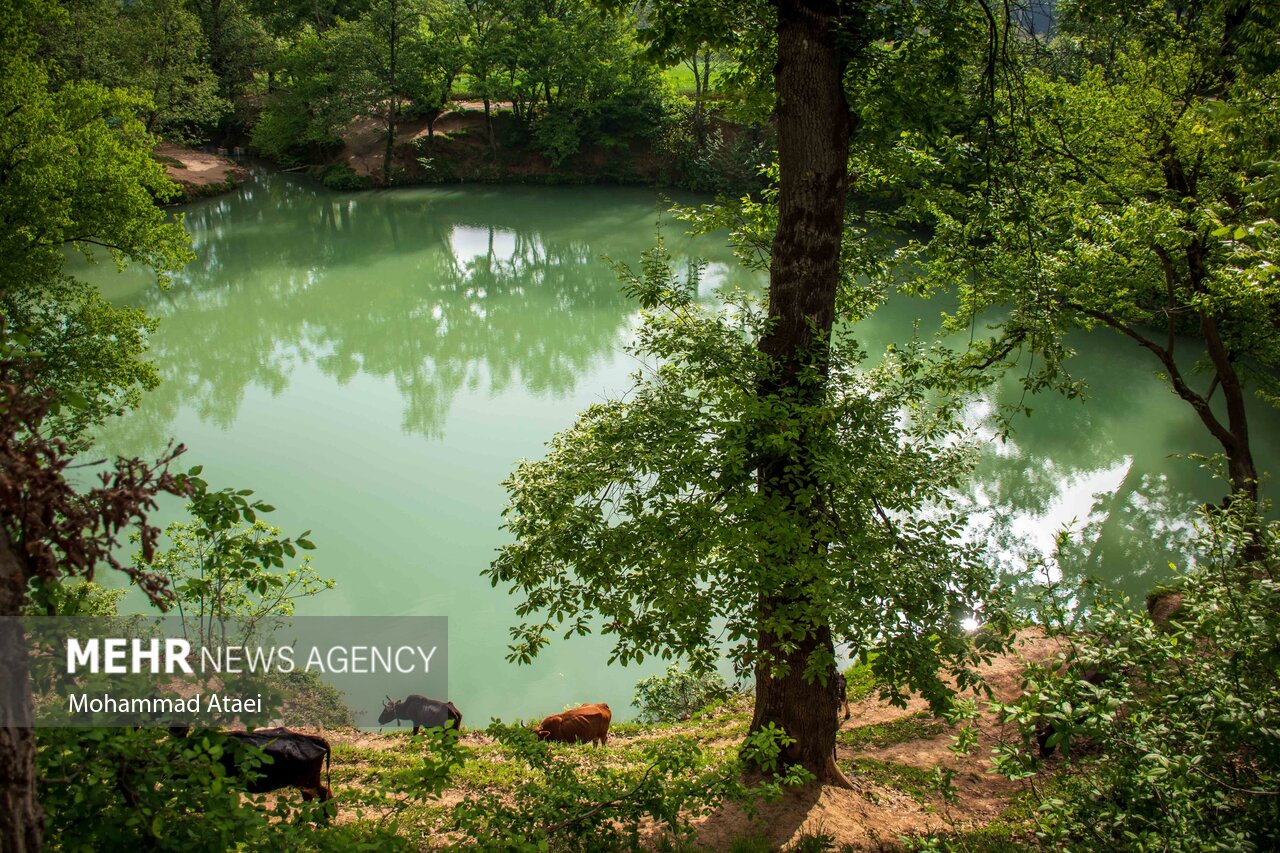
(21, 818)
(813, 125)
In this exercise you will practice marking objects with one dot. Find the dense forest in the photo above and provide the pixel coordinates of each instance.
(766, 494)
(287, 81)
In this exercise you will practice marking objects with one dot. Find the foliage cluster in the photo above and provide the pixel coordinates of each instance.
(645, 514)
(1177, 746)
(122, 789)
(75, 173)
(226, 567)
(564, 806)
(1125, 184)
(677, 694)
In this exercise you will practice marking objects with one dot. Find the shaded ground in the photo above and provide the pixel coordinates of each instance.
(890, 754)
(197, 172)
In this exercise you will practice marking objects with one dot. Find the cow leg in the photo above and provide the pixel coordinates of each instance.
(415, 728)
(326, 812)
(322, 794)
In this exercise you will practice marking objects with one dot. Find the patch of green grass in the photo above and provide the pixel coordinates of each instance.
(751, 844)
(730, 726)
(388, 758)
(680, 76)
(911, 727)
(816, 841)
(491, 774)
(917, 783)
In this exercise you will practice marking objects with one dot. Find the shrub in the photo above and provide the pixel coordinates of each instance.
(340, 177)
(123, 789)
(677, 694)
(571, 802)
(728, 159)
(1183, 731)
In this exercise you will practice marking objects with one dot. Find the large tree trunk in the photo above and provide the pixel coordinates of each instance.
(488, 124)
(808, 711)
(814, 125)
(21, 819)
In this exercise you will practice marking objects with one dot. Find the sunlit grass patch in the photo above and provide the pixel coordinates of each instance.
(921, 785)
(492, 773)
(345, 754)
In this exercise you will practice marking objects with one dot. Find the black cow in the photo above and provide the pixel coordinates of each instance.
(840, 686)
(1045, 729)
(296, 760)
(421, 711)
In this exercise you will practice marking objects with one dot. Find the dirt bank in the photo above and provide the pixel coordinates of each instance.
(199, 173)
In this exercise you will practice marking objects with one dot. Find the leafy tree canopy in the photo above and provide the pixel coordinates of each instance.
(1133, 188)
(75, 172)
(645, 518)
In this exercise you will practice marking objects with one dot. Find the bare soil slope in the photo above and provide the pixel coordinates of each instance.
(198, 172)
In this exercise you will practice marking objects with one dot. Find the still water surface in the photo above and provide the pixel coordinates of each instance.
(375, 364)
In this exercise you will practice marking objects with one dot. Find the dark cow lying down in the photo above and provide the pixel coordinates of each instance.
(421, 711)
(586, 723)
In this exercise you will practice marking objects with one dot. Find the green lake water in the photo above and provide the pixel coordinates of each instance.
(374, 365)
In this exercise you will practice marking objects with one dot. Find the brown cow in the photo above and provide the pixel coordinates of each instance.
(587, 723)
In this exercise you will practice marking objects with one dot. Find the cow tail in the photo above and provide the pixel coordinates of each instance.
(328, 780)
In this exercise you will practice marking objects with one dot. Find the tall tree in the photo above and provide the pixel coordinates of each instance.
(444, 57)
(786, 509)
(487, 22)
(76, 171)
(377, 64)
(814, 123)
(1137, 194)
(162, 51)
(239, 48)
